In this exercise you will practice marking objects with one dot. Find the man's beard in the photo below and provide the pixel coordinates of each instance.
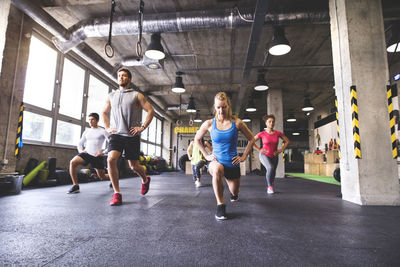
(124, 84)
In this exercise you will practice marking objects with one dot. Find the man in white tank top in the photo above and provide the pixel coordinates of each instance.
(125, 105)
(90, 150)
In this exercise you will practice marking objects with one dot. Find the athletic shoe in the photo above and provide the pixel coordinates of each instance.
(221, 214)
(270, 190)
(234, 198)
(117, 200)
(197, 184)
(145, 187)
(74, 189)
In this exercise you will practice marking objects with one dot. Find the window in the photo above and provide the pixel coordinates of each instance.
(159, 132)
(72, 90)
(97, 95)
(44, 122)
(152, 130)
(36, 127)
(151, 137)
(40, 75)
(68, 133)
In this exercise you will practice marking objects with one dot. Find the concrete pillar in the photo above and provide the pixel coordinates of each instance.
(275, 106)
(255, 128)
(359, 58)
(4, 11)
(16, 47)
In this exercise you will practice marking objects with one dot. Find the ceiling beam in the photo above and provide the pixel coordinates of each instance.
(256, 28)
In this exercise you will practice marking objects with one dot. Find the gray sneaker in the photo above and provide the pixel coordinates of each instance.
(221, 214)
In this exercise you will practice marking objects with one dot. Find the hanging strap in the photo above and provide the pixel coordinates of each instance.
(140, 26)
(108, 49)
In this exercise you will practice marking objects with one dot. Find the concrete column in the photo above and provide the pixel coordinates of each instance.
(4, 11)
(16, 47)
(255, 128)
(275, 106)
(359, 58)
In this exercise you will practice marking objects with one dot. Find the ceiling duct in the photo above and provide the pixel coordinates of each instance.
(175, 22)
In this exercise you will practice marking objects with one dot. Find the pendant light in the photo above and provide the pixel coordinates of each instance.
(291, 117)
(307, 105)
(279, 45)
(155, 50)
(261, 84)
(178, 85)
(191, 107)
(394, 40)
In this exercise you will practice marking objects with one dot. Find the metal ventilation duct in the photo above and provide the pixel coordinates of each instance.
(174, 22)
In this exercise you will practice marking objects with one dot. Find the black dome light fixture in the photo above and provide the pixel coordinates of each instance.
(279, 45)
(197, 118)
(178, 85)
(155, 50)
(393, 44)
(261, 84)
(191, 107)
(246, 118)
(307, 104)
(291, 117)
(251, 107)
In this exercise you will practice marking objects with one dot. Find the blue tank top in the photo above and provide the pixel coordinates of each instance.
(224, 144)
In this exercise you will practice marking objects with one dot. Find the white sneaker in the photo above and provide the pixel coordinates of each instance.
(270, 190)
(197, 184)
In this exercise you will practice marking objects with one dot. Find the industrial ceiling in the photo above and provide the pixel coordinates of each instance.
(218, 45)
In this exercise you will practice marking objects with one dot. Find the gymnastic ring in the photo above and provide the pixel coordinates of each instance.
(109, 47)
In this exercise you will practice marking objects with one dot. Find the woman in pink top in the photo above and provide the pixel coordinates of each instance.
(269, 151)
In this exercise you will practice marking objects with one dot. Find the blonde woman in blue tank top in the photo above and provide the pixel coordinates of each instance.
(224, 159)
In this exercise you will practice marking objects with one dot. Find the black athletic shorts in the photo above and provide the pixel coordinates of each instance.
(232, 173)
(131, 145)
(96, 162)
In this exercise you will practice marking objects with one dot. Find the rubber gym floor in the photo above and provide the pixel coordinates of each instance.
(304, 223)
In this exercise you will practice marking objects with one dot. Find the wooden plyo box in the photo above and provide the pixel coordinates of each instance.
(332, 156)
(311, 168)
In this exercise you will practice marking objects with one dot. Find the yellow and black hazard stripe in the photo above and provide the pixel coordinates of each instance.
(356, 127)
(18, 141)
(337, 125)
(391, 120)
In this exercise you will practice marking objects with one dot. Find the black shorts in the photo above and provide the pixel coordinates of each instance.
(232, 173)
(131, 145)
(96, 162)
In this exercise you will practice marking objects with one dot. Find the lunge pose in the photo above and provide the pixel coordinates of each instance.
(224, 159)
(125, 105)
(90, 151)
(269, 152)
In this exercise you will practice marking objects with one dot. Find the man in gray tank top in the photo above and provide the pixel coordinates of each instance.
(125, 105)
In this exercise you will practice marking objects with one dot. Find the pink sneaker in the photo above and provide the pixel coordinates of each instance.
(117, 200)
(145, 186)
(270, 190)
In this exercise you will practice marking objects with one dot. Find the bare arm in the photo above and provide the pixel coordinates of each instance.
(286, 142)
(249, 135)
(189, 150)
(200, 134)
(208, 146)
(104, 116)
(150, 114)
(255, 140)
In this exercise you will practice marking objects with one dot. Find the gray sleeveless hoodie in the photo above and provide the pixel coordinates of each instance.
(126, 111)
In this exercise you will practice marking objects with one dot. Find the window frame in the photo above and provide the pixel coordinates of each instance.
(54, 114)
